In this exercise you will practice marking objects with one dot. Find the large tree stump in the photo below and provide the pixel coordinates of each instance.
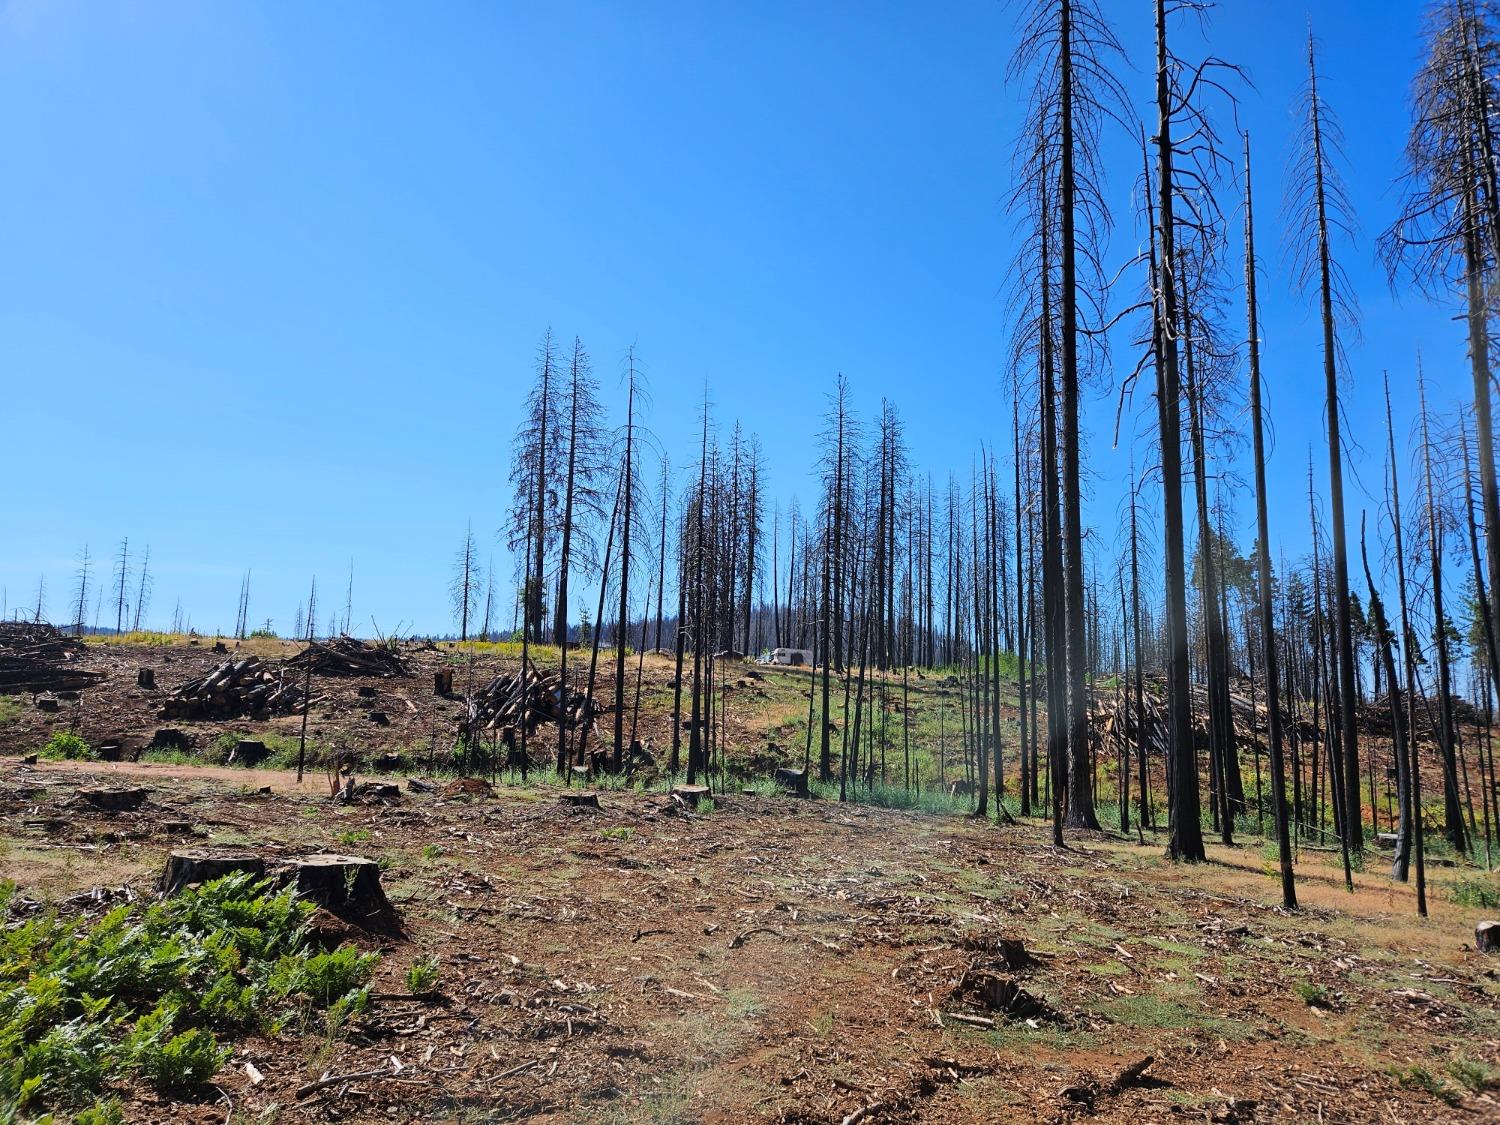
(794, 781)
(200, 865)
(109, 751)
(1487, 937)
(691, 795)
(579, 800)
(170, 738)
(346, 885)
(47, 703)
(145, 678)
(442, 682)
(248, 752)
(114, 800)
(366, 691)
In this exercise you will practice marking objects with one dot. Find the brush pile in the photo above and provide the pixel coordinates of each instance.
(37, 657)
(1115, 717)
(346, 656)
(235, 689)
(499, 704)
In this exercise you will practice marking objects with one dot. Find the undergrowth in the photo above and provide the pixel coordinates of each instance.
(66, 746)
(145, 992)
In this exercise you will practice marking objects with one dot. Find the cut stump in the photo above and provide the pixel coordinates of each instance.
(114, 800)
(247, 752)
(792, 780)
(1487, 937)
(346, 885)
(200, 865)
(579, 800)
(145, 678)
(691, 795)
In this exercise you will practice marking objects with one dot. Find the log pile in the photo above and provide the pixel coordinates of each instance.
(498, 705)
(37, 657)
(346, 656)
(232, 690)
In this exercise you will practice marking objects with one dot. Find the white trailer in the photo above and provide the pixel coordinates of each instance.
(795, 657)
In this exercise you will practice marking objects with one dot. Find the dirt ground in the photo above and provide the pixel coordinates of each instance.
(802, 961)
(771, 959)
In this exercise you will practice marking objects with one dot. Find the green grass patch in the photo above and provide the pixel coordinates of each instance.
(1478, 891)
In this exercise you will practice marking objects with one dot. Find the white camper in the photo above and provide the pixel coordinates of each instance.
(795, 657)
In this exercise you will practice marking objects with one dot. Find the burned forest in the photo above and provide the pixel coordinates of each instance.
(1096, 723)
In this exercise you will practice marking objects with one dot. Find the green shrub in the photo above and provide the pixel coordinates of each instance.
(66, 746)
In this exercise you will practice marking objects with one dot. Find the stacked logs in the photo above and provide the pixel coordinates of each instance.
(232, 690)
(346, 656)
(38, 657)
(498, 705)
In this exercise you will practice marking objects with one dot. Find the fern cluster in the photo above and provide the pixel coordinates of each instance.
(143, 992)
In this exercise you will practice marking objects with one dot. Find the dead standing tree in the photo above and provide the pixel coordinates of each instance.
(1269, 656)
(1447, 237)
(1317, 207)
(1065, 50)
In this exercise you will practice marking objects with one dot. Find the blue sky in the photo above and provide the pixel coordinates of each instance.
(272, 275)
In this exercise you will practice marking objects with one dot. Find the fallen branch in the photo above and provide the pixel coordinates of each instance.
(739, 938)
(1129, 1076)
(863, 1113)
(326, 1081)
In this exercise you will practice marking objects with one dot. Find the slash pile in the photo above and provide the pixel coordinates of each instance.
(346, 656)
(234, 689)
(38, 657)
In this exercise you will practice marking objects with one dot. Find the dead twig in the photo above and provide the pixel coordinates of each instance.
(739, 939)
(328, 1080)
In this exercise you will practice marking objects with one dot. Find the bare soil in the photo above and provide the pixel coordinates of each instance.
(785, 960)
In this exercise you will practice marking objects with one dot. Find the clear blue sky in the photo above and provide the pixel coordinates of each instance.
(272, 274)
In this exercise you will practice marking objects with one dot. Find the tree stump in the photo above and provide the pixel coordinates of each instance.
(442, 682)
(48, 704)
(691, 795)
(170, 738)
(366, 691)
(387, 763)
(109, 751)
(114, 800)
(200, 865)
(579, 774)
(579, 800)
(374, 793)
(379, 718)
(220, 647)
(248, 753)
(345, 885)
(794, 781)
(1487, 937)
(145, 678)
